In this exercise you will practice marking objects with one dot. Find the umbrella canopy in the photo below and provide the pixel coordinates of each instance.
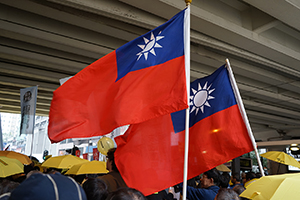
(274, 187)
(63, 162)
(91, 167)
(10, 166)
(223, 168)
(19, 156)
(281, 157)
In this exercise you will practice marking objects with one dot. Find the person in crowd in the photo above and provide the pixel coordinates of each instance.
(209, 186)
(258, 175)
(174, 194)
(95, 189)
(224, 180)
(7, 186)
(193, 181)
(48, 187)
(235, 180)
(161, 195)
(126, 194)
(250, 177)
(52, 170)
(113, 178)
(243, 175)
(239, 189)
(226, 194)
(78, 178)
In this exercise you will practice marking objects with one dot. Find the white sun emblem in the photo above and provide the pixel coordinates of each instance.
(200, 98)
(149, 46)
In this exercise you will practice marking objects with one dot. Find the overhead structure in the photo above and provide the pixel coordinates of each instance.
(44, 41)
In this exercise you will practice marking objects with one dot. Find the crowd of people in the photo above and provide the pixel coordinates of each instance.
(53, 185)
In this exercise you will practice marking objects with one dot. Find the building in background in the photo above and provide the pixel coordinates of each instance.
(23, 143)
(11, 130)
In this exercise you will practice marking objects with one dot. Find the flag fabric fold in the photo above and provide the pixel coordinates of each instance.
(139, 81)
(150, 155)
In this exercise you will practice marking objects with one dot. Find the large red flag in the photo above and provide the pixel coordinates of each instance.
(139, 81)
(150, 155)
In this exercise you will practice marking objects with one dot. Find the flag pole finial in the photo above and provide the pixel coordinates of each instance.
(188, 2)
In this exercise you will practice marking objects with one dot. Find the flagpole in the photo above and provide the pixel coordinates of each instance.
(1, 137)
(243, 112)
(187, 113)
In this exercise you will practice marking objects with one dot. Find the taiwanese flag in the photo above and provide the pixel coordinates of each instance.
(141, 80)
(150, 155)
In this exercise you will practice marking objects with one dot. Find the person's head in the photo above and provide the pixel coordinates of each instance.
(126, 194)
(210, 178)
(226, 194)
(250, 176)
(95, 189)
(258, 175)
(48, 187)
(224, 180)
(238, 189)
(7, 186)
(110, 163)
(235, 178)
(52, 170)
(243, 176)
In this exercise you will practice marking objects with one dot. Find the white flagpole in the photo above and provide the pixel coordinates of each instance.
(1, 137)
(243, 112)
(187, 117)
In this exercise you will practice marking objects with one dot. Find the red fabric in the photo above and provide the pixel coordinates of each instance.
(85, 156)
(150, 155)
(95, 154)
(93, 103)
(77, 153)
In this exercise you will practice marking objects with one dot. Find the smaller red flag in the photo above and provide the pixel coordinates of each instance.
(150, 155)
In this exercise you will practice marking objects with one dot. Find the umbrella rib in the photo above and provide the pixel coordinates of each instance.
(78, 190)
(55, 187)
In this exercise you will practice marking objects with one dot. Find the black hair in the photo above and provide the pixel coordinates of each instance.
(214, 174)
(7, 186)
(250, 175)
(95, 189)
(126, 194)
(258, 175)
(224, 180)
(236, 176)
(111, 157)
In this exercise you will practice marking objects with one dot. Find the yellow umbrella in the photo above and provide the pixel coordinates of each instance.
(10, 166)
(223, 168)
(19, 156)
(281, 157)
(63, 162)
(91, 167)
(274, 187)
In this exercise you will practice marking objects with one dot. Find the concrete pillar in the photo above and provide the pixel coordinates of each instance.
(235, 166)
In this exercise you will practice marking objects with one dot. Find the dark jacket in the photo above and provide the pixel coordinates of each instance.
(113, 181)
(202, 193)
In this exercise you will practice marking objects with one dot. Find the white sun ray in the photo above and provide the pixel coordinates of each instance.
(201, 97)
(149, 46)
